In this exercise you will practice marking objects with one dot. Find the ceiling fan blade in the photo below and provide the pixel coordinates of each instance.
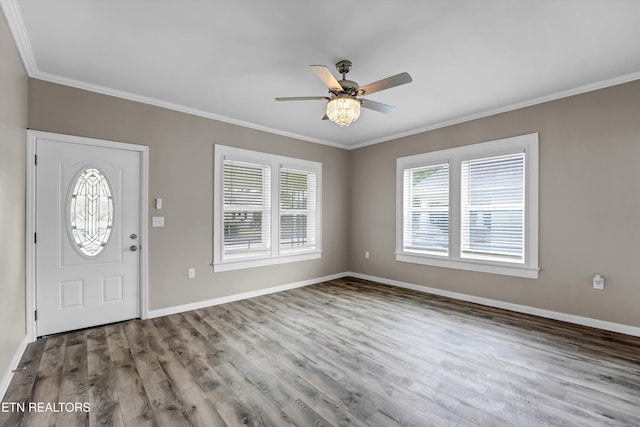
(326, 76)
(303, 98)
(389, 82)
(377, 106)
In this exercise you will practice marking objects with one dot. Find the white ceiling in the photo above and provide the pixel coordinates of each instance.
(228, 59)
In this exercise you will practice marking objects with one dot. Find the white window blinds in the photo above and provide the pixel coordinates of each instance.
(472, 207)
(426, 209)
(493, 208)
(297, 209)
(267, 209)
(247, 201)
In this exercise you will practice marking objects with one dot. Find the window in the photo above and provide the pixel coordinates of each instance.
(266, 209)
(492, 207)
(426, 207)
(471, 208)
(297, 210)
(247, 207)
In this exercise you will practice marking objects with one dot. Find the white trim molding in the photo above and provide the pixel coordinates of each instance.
(16, 25)
(15, 360)
(14, 19)
(540, 312)
(245, 295)
(32, 138)
(578, 320)
(563, 317)
(590, 87)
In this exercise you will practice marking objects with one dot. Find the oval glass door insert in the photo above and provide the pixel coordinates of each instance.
(91, 212)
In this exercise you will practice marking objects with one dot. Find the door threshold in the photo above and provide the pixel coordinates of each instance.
(58, 334)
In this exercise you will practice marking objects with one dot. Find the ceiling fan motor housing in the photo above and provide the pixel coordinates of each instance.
(349, 87)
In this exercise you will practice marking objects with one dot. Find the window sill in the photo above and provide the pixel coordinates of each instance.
(246, 263)
(479, 266)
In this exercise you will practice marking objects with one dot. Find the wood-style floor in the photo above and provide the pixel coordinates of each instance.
(346, 352)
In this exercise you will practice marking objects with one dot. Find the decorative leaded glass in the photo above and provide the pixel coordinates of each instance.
(91, 212)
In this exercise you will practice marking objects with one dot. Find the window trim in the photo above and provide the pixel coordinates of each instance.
(274, 256)
(454, 157)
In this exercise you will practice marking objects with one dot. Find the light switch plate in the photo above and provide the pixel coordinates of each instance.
(598, 282)
(157, 221)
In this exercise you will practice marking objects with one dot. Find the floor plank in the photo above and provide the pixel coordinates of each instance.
(134, 404)
(347, 352)
(75, 382)
(103, 396)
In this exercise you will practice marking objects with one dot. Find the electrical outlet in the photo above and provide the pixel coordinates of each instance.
(191, 273)
(366, 254)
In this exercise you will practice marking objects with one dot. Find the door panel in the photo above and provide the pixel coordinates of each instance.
(86, 280)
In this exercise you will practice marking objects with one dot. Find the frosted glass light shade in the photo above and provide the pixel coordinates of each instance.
(343, 110)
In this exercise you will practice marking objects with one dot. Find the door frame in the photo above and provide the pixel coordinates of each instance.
(30, 275)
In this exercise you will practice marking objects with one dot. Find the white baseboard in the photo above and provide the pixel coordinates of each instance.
(570, 318)
(15, 360)
(579, 320)
(564, 317)
(223, 300)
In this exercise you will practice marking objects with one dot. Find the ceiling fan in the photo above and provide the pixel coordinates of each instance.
(345, 95)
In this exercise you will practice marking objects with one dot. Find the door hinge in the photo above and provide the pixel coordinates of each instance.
(35, 238)
(35, 315)
(35, 161)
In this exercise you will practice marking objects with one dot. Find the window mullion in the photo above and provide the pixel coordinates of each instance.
(275, 210)
(455, 216)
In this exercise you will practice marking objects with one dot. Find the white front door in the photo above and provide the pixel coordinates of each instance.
(87, 235)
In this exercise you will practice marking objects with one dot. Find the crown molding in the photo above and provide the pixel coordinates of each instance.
(18, 31)
(53, 78)
(11, 11)
(438, 125)
(602, 84)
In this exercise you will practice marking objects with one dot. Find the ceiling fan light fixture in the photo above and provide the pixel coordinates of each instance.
(343, 110)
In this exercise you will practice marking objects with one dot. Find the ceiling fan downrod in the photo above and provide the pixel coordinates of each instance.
(349, 87)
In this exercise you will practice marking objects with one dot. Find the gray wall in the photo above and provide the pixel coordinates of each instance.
(181, 173)
(13, 121)
(589, 206)
(589, 186)
(589, 203)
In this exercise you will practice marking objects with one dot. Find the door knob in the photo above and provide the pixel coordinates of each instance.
(133, 248)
